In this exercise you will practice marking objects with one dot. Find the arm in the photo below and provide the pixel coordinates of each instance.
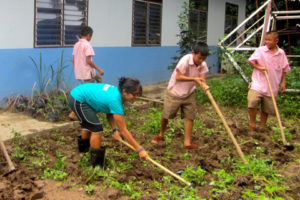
(199, 80)
(120, 122)
(73, 62)
(181, 77)
(253, 64)
(92, 64)
(283, 79)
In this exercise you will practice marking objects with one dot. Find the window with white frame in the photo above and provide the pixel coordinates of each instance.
(146, 23)
(58, 22)
(198, 19)
(231, 19)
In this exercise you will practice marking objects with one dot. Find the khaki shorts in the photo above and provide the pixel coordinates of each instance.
(266, 102)
(173, 103)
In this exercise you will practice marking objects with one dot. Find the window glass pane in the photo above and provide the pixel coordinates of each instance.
(198, 19)
(154, 23)
(231, 19)
(75, 16)
(140, 22)
(200, 4)
(58, 22)
(48, 22)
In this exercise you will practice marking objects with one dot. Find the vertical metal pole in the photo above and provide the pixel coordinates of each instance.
(266, 23)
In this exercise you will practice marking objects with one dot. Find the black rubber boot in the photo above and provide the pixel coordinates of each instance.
(83, 145)
(98, 156)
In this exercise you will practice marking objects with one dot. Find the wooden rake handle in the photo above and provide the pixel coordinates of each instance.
(207, 92)
(153, 100)
(159, 165)
(9, 162)
(276, 110)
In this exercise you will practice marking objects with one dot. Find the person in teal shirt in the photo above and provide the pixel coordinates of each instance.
(88, 99)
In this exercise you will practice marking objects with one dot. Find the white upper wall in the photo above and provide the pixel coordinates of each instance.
(171, 10)
(216, 18)
(111, 21)
(17, 19)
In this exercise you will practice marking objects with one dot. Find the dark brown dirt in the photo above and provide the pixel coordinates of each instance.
(27, 182)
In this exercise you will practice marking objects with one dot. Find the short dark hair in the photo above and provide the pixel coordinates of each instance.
(273, 33)
(130, 85)
(85, 30)
(201, 48)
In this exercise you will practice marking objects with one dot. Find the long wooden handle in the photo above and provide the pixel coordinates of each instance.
(159, 165)
(205, 88)
(276, 110)
(226, 125)
(10, 164)
(153, 100)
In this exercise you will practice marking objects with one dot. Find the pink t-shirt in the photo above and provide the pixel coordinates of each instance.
(83, 70)
(276, 64)
(188, 68)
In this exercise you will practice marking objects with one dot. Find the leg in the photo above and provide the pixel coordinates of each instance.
(253, 102)
(163, 127)
(252, 116)
(97, 151)
(84, 141)
(95, 140)
(263, 119)
(188, 127)
(85, 134)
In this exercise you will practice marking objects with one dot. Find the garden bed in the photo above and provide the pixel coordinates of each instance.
(50, 167)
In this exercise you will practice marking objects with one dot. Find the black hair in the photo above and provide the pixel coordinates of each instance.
(85, 30)
(201, 48)
(273, 33)
(130, 85)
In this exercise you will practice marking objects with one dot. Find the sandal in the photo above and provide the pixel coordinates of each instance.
(191, 146)
(157, 139)
(251, 127)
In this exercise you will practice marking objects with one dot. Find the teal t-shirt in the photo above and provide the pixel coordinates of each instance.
(101, 97)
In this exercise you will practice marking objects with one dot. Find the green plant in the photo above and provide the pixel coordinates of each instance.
(152, 122)
(178, 193)
(44, 73)
(277, 134)
(257, 167)
(55, 174)
(58, 73)
(58, 172)
(89, 189)
(84, 160)
(194, 175)
(223, 183)
(186, 156)
(97, 173)
(228, 91)
(208, 131)
(20, 154)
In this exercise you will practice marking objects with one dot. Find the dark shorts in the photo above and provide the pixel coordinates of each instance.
(86, 115)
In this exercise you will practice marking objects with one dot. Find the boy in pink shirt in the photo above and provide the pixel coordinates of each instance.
(272, 59)
(180, 93)
(82, 58)
(83, 64)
